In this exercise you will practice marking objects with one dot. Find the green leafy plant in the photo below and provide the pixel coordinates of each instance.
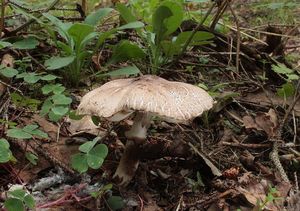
(162, 43)
(287, 89)
(91, 155)
(270, 198)
(114, 202)
(57, 104)
(196, 184)
(5, 153)
(75, 40)
(18, 199)
(26, 132)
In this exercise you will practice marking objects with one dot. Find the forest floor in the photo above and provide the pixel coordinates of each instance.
(230, 155)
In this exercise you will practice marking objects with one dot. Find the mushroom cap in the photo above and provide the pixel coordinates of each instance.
(174, 101)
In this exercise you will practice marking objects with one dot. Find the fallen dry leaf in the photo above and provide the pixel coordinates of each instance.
(84, 125)
(266, 122)
(7, 61)
(260, 98)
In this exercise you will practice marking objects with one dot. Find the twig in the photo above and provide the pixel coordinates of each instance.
(196, 30)
(238, 38)
(31, 21)
(9, 86)
(274, 154)
(247, 146)
(222, 5)
(3, 5)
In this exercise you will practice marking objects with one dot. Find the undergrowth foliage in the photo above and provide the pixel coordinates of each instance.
(45, 87)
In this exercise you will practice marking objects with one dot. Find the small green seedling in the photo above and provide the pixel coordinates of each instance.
(57, 104)
(196, 184)
(289, 75)
(91, 155)
(114, 202)
(18, 199)
(26, 132)
(271, 197)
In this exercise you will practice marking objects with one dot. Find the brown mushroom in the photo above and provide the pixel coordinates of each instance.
(146, 96)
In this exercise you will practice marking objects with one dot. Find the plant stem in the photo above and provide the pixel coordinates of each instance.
(3, 5)
(196, 30)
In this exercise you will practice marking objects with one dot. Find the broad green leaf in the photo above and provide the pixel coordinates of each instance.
(94, 161)
(58, 62)
(93, 18)
(5, 153)
(125, 13)
(55, 88)
(126, 50)
(54, 117)
(31, 157)
(86, 147)
(4, 144)
(60, 110)
(100, 150)
(9, 72)
(27, 43)
(13, 204)
(18, 193)
(130, 70)
(49, 77)
(87, 39)
(38, 132)
(47, 105)
(30, 128)
(4, 44)
(31, 78)
(132, 25)
(79, 31)
(60, 99)
(29, 201)
(79, 162)
(115, 202)
(287, 90)
(166, 19)
(18, 133)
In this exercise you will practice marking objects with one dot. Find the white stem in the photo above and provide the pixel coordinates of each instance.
(130, 158)
(140, 126)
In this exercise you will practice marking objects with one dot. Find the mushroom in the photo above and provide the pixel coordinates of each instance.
(146, 96)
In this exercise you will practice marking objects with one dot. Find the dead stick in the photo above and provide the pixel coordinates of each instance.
(238, 38)
(248, 146)
(3, 4)
(31, 21)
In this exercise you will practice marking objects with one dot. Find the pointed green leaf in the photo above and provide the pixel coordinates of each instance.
(97, 16)
(58, 62)
(26, 44)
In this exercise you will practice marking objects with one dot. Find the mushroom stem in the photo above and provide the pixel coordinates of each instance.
(138, 131)
(130, 159)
